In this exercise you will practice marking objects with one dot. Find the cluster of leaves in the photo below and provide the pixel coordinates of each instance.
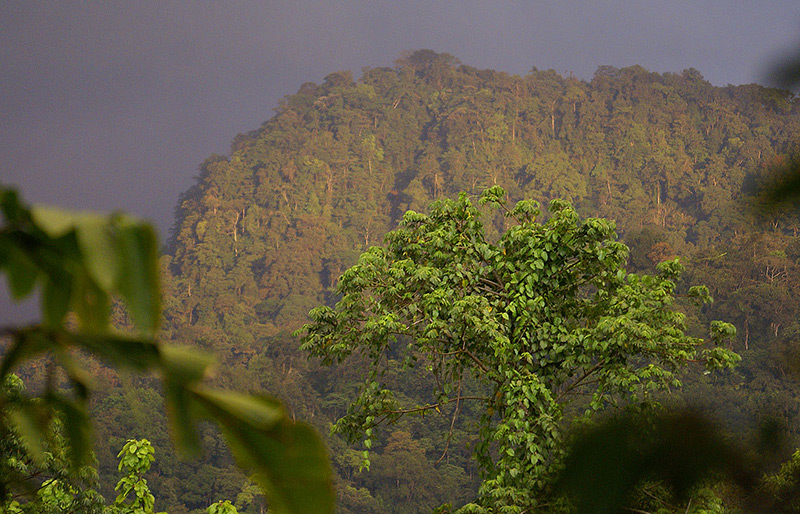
(61, 487)
(82, 261)
(222, 507)
(135, 459)
(544, 315)
(61, 492)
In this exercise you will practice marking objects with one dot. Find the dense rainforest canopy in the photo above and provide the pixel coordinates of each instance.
(263, 235)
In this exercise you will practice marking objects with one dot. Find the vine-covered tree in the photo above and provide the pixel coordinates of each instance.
(542, 318)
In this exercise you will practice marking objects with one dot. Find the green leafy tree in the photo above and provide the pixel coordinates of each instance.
(783, 485)
(83, 261)
(222, 507)
(61, 488)
(543, 316)
(135, 459)
(60, 493)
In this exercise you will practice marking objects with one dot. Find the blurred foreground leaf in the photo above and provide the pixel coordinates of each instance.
(782, 189)
(608, 464)
(286, 459)
(82, 261)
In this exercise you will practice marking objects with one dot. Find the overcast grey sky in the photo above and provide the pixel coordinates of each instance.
(112, 105)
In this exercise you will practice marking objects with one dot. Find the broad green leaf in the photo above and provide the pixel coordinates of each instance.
(56, 298)
(180, 408)
(20, 269)
(139, 354)
(31, 423)
(139, 284)
(681, 449)
(288, 460)
(258, 411)
(184, 364)
(77, 428)
(99, 249)
(53, 221)
(91, 304)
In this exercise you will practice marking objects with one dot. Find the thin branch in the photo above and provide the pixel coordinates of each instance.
(510, 213)
(578, 382)
(490, 282)
(436, 405)
(477, 361)
(445, 354)
(452, 421)
(499, 282)
(660, 500)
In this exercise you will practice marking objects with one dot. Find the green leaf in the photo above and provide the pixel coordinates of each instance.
(91, 304)
(56, 298)
(31, 423)
(99, 249)
(139, 354)
(139, 284)
(20, 269)
(681, 448)
(53, 221)
(260, 412)
(77, 428)
(184, 364)
(180, 414)
(287, 460)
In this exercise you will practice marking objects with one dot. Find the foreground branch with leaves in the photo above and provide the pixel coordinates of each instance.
(543, 316)
(81, 262)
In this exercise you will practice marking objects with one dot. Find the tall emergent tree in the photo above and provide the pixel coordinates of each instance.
(544, 315)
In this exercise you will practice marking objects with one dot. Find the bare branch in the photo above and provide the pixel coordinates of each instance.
(580, 380)
(477, 361)
(453, 420)
(430, 406)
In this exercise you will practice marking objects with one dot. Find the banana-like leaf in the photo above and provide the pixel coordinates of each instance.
(288, 460)
(99, 249)
(31, 424)
(138, 283)
(182, 366)
(128, 352)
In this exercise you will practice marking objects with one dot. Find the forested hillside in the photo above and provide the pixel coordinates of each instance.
(265, 232)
